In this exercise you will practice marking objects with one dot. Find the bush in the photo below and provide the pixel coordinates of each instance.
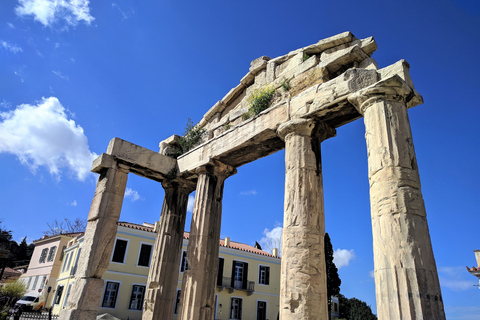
(259, 100)
(14, 289)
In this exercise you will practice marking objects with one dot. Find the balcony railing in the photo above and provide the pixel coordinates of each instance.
(249, 286)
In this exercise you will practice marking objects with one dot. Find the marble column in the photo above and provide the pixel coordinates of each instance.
(197, 300)
(162, 281)
(87, 290)
(303, 284)
(406, 279)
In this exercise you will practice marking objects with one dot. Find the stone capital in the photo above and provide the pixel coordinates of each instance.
(393, 88)
(216, 168)
(306, 127)
(180, 183)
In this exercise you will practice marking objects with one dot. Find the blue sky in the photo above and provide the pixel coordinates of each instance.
(74, 75)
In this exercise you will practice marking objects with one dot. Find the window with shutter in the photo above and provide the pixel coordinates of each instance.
(264, 275)
(43, 256)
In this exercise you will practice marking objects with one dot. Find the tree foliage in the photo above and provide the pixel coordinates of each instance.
(65, 226)
(13, 254)
(333, 280)
(14, 289)
(354, 309)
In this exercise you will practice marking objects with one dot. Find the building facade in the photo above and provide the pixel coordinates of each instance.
(44, 266)
(248, 280)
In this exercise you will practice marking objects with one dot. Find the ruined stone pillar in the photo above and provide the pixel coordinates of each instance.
(162, 281)
(406, 280)
(197, 300)
(87, 291)
(303, 284)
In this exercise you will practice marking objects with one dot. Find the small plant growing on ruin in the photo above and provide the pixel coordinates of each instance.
(192, 136)
(306, 56)
(246, 116)
(260, 99)
(226, 126)
(285, 85)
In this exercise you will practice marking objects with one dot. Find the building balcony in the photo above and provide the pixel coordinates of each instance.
(227, 282)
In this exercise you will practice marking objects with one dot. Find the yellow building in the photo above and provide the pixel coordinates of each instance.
(248, 281)
(44, 266)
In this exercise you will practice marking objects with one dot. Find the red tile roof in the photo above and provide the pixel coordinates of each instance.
(186, 235)
(70, 234)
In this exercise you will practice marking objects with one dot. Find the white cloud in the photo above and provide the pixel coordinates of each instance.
(48, 12)
(191, 201)
(272, 239)
(456, 278)
(132, 194)
(42, 135)
(74, 203)
(249, 193)
(10, 25)
(60, 75)
(372, 274)
(11, 47)
(124, 15)
(342, 257)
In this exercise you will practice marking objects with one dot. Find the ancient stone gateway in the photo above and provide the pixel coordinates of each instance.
(318, 88)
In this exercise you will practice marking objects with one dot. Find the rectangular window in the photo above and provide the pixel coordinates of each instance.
(74, 269)
(221, 263)
(66, 295)
(119, 251)
(184, 265)
(144, 257)
(261, 310)
(51, 253)
(264, 275)
(177, 301)
(29, 281)
(110, 296)
(239, 275)
(236, 309)
(43, 256)
(69, 261)
(35, 283)
(136, 300)
(65, 262)
(58, 295)
(42, 283)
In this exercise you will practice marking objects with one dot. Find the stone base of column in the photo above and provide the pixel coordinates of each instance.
(78, 314)
(86, 292)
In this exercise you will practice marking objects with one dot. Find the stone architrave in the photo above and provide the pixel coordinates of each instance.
(162, 281)
(197, 300)
(99, 240)
(303, 284)
(406, 279)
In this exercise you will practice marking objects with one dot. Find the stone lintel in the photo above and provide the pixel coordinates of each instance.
(232, 94)
(258, 64)
(330, 42)
(104, 161)
(144, 162)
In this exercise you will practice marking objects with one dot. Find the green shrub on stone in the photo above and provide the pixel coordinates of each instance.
(260, 99)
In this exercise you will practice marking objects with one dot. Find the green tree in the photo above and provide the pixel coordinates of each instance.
(333, 280)
(14, 289)
(354, 309)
